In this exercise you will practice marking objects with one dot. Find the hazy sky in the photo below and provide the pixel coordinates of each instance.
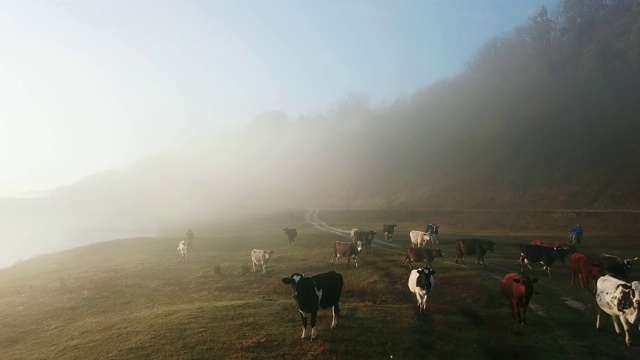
(90, 85)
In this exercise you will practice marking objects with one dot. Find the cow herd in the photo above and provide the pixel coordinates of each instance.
(606, 274)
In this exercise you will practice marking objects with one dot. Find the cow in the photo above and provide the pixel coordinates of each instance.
(530, 254)
(368, 239)
(387, 230)
(183, 250)
(419, 238)
(260, 257)
(620, 300)
(615, 266)
(291, 234)
(432, 230)
(422, 255)
(320, 291)
(553, 244)
(347, 250)
(587, 269)
(518, 290)
(421, 283)
(472, 247)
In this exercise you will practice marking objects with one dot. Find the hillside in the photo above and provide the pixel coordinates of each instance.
(543, 117)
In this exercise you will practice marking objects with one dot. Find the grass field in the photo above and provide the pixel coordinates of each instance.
(134, 299)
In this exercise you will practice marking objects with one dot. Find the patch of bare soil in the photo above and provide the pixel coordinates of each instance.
(574, 304)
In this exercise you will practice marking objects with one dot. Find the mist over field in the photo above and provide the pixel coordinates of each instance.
(542, 117)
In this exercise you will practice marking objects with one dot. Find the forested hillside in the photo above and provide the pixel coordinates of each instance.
(543, 117)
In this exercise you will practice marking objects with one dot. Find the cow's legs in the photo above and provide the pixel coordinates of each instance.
(334, 312)
(264, 268)
(304, 324)
(314, 316)
(254, 265)
(625, 325)
(615, 324)
(598, 318)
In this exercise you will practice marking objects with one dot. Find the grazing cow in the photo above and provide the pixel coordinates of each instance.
(369, 235)
(587, 269)
(473, 246)
(183, 250)
(518, 290)
(552, 244)
(530, 254)
(615, 266)
(388, 229)
(347, 250)
(260, 257)
(620, 300)
(291, 234)
(320, 291)
(421, 283)
(421, 254)
(419, 238)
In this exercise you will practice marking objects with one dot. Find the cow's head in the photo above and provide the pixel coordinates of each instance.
(628, 263)
(526, 284)
(267, 254)
(629, 299)
(438, 253)
(359, 245)
(424, 278)
(293, 281)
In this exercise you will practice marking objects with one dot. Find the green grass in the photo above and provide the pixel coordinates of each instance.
(134, 299)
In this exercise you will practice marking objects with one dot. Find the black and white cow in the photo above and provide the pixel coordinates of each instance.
(320, 291)
(387, 230)
(620, 300)
(421, 283)
(291, 234)
(530, 254)
(347, 250)
(616, 266)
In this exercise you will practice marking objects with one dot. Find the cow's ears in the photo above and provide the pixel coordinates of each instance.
(516, 280)
(287, 280)
(625, 286)
(534, 280)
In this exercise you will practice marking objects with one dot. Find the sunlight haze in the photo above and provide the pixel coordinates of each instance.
(88, 86)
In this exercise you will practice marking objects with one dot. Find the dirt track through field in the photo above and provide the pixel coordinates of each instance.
(562, 336)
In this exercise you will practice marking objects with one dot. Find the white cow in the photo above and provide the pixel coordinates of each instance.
(419, 238)
(183, 250)
(260, 257)
(620, 300)
(421, 283)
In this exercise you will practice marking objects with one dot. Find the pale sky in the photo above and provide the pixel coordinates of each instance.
(92, 85)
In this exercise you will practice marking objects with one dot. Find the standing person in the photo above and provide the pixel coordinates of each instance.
(577, 232)
(189, 234)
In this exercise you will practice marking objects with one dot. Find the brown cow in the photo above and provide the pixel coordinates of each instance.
(518, 290)
(587, 268)
(422, 254)
(346, 249)
(368, 239)
(471, 247)
(570, 249)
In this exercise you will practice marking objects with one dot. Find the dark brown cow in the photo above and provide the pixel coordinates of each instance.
(570, 249)
(368, 239)
(291, 234)
(587, 269)
(616, 266)
(472, 247)
(518, 290)
(387, 230)
(422, 255)
(347, 250)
